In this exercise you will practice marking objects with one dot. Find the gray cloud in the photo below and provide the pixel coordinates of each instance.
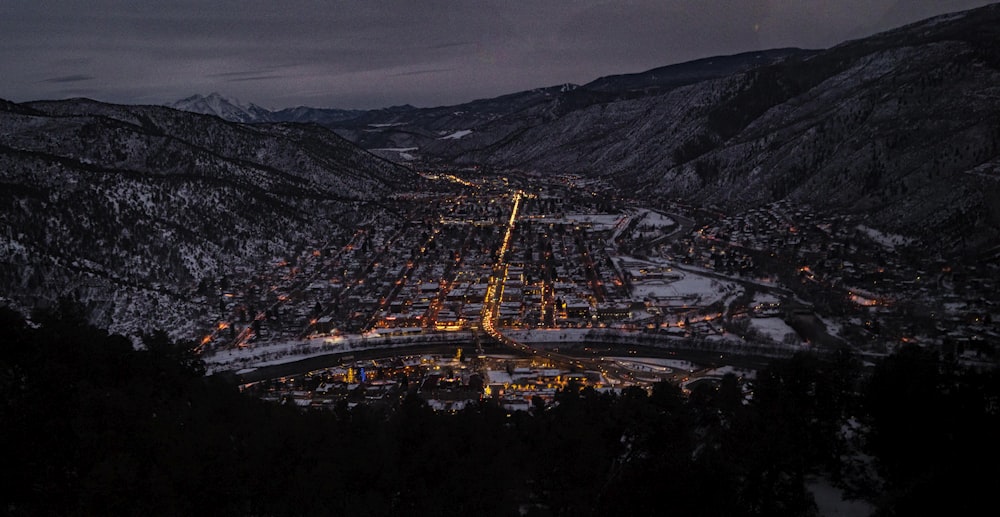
(349, 53)
(242, 78)
(69, 78)
(242, 73)
(420, 72)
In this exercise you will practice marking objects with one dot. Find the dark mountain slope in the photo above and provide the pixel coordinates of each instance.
(129, 208)
(902, 126)
(552, 104)
(444, 132)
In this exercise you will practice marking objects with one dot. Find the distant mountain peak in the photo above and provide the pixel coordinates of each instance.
(228, 108)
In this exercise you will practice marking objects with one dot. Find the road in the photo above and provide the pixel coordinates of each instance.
(610, 370)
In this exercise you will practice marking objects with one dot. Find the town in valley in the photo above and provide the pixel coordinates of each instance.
(515, 285)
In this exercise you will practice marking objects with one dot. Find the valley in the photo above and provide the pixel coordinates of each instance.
(763, 281)
(564, 274)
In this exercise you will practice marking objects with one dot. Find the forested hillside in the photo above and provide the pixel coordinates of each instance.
(93, 426)
(901, 126)
(130, 208)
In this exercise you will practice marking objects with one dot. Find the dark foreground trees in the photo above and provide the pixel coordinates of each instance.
(92, 426)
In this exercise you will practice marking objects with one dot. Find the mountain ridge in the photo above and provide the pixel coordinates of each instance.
(895, 125)
(130, 208)
(899, 126)
(490, 120)
(223, 107)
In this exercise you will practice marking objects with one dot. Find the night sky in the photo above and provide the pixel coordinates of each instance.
(370, 54)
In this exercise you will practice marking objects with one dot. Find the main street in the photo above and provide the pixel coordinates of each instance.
(612, 371)
(494, 295)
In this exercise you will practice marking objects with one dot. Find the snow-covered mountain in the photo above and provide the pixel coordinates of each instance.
(901, 127)
(131, 208)
(407, 132)
(223, 107)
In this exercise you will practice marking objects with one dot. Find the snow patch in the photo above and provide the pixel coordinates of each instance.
(396, 149)
(775, 328)
(831, 503)
(888, 241)
(456, 135)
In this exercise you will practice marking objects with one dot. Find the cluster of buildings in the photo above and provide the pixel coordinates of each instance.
(445, 383)
(429, 271)
(578, 258)
(872, 289)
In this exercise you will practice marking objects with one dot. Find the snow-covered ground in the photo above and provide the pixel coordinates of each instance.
(774, 328)
(656, 364)
(651, 224)
(832, 327)
(540, 336)
(404, 153)
(763, 298)
(457, 134)
(597, 221)
(888, 241)
(281, 352)
(745, 373)
(656, 219)
(693, 289)
(830, 501)
(396, 149)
